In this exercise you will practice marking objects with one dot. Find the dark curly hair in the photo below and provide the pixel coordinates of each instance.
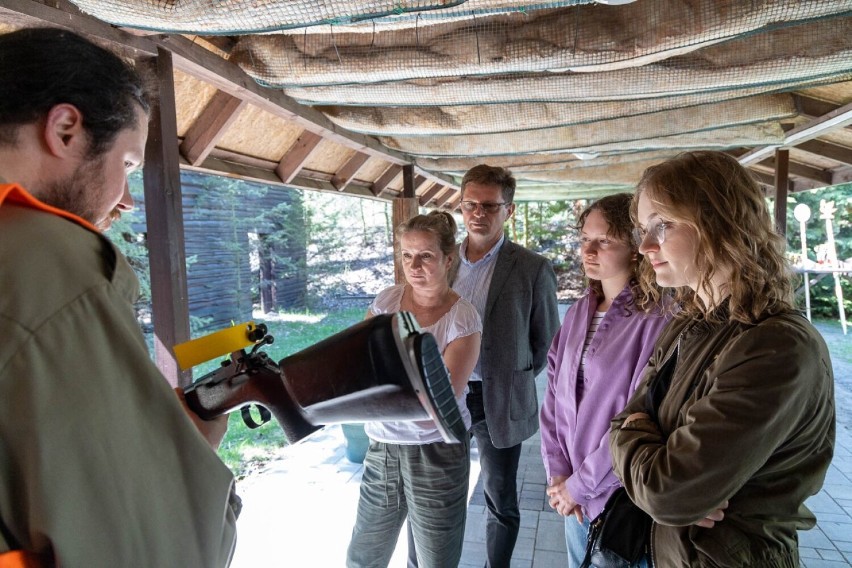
(43, 67)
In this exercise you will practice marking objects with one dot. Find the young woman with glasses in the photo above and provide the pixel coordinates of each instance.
(743, 427)
(594, 365)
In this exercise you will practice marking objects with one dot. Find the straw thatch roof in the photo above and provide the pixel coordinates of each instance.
(576, 97)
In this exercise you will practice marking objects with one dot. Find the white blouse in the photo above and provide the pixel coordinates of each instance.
(461, 320)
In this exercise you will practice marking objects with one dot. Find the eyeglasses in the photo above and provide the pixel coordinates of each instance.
(657, 232)
(471, 206)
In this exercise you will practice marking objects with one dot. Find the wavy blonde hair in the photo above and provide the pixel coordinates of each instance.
(715, 196)
(615, 210)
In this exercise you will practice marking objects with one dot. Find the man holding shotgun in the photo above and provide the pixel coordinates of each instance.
(99, 464)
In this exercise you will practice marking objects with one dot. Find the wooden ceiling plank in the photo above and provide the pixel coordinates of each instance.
(453, 203)
(298, 154)
(349, 170)
(208, 67)
(803, 170)
(214, 121)
(419, 180)
(829, 150)
(440, 200)
(430, 193)
(68, 17)
(384, 180)
(838, 118)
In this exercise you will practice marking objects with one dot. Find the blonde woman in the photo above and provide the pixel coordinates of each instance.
(733, 428)
(409, 472)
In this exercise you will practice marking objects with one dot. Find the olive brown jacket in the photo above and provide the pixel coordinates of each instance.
(749, 418)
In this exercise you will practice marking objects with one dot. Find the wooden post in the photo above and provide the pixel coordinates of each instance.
(164, 215)
(782, 182)
(405, 207)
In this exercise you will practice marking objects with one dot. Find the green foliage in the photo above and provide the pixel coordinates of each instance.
(131, 243)
(349, 248)
(823, 297)
(279, 235)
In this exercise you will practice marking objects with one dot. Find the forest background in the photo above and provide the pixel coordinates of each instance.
(349, 259)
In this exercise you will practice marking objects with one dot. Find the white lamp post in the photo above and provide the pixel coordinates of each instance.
(826, 210)
(802, 213)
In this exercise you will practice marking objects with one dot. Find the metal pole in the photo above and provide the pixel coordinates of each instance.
(827, 212)
(805, 273)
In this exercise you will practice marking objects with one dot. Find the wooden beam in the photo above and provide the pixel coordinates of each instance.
(298, 154)
(811, 107)
(217, 116)
(803, 170)
(841, 175)
(384, 180)
(828, 150)
(453, 203)
(69, 17)
(442, 199)
(837, 118)
(419, 180)
(766, 179)
(206, 66)
(430, 193)
(404, 208)
(164, 216)
(349, 170)
(766, 176)
(782, 182)
(408, 185)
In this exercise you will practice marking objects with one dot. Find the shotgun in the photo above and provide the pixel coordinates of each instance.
(381, 369)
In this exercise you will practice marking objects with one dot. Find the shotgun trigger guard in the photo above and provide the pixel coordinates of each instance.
(265, 416)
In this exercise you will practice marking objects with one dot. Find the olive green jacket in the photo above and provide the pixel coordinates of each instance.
(749, 418)
(99, 464)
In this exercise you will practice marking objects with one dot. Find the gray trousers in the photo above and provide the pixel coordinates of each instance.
(426, 483)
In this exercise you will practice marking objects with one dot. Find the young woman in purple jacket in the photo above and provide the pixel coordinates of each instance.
(594, 364)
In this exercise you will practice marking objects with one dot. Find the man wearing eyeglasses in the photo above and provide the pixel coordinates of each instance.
(514, 291)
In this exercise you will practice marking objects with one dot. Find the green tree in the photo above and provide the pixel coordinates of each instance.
(823, 300)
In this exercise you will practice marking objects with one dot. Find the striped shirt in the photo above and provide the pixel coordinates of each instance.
(472, 284)
(590, 333)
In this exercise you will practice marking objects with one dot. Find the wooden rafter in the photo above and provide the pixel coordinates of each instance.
(295, 158)
(803, 170)
(384, 180)
(441, 199)
(837, 118)
(829, 150)
(427, 195)
(164, 217)
(349, 170)
(214, 121)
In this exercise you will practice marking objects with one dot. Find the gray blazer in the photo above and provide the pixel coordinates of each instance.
(520, 320)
